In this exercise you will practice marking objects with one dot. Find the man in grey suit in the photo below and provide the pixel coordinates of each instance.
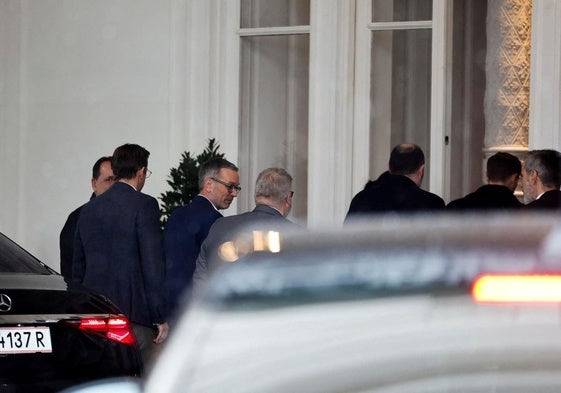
(118, 252)
(273, 200)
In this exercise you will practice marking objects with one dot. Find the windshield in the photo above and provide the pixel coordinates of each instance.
(14, 259)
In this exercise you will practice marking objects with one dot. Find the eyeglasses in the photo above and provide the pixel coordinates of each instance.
(148, 173)
(229, 186)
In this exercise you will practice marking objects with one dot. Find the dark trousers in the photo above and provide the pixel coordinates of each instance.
(145, 336)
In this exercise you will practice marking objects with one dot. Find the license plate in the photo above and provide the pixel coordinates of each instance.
(25, 340)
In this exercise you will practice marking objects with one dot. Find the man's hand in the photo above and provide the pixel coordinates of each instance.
(163, 330)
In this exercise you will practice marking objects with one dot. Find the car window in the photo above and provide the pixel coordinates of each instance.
(14, 259)
(264, 280)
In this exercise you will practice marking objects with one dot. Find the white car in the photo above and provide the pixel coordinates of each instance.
(420, 304)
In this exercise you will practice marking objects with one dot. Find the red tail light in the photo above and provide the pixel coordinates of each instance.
(119, 329)
(114, 328)
(532, 288)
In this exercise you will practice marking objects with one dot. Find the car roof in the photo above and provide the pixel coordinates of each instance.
(390, 253)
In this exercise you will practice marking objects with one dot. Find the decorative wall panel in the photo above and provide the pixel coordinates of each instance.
(507, 93)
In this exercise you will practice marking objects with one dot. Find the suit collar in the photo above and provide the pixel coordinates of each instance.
(204, 198)
(124, 182)
(267, 209)
(386, 179)
(549, 193)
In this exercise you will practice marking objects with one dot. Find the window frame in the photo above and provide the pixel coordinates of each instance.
(338, 160)
(439, 154)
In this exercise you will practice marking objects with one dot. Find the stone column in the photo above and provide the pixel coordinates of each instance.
(507, 94)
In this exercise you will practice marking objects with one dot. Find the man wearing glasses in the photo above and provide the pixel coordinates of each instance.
(189, 225)
(118, 249)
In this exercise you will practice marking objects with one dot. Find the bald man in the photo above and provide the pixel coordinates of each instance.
(398, 189)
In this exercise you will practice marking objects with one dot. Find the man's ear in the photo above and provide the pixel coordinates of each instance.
(512, 181)
(514, 177)
(421, 171)
(206, 184)
(533, 176)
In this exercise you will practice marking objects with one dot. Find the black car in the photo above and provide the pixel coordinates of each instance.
(55, 334)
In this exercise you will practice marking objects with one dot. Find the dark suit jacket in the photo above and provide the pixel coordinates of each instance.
(184, 233)
(117, 252)
(227, 228)
(66, 242)
(393, 193)
(549, 200)
(489, 196)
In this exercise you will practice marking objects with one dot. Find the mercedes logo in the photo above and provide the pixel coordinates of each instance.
(5, 303)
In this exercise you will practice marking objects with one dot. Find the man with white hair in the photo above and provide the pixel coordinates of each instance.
(273, 201)
(541, 179)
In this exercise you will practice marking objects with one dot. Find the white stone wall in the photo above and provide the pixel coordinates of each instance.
(78, 78)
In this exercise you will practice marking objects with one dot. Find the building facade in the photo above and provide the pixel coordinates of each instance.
(324, 88)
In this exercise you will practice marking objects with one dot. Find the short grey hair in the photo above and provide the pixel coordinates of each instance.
(274, 184)
(547, 163)
(212, 167)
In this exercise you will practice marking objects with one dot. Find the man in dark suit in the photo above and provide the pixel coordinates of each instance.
(503, 172)
(188, 226)
(102, 179)
(117, 249)
(399, 189)
(541, 179)
(273, 200)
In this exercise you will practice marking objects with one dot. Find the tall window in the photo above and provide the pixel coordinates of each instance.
(274, 94)
(373, 85)
(400, 78)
